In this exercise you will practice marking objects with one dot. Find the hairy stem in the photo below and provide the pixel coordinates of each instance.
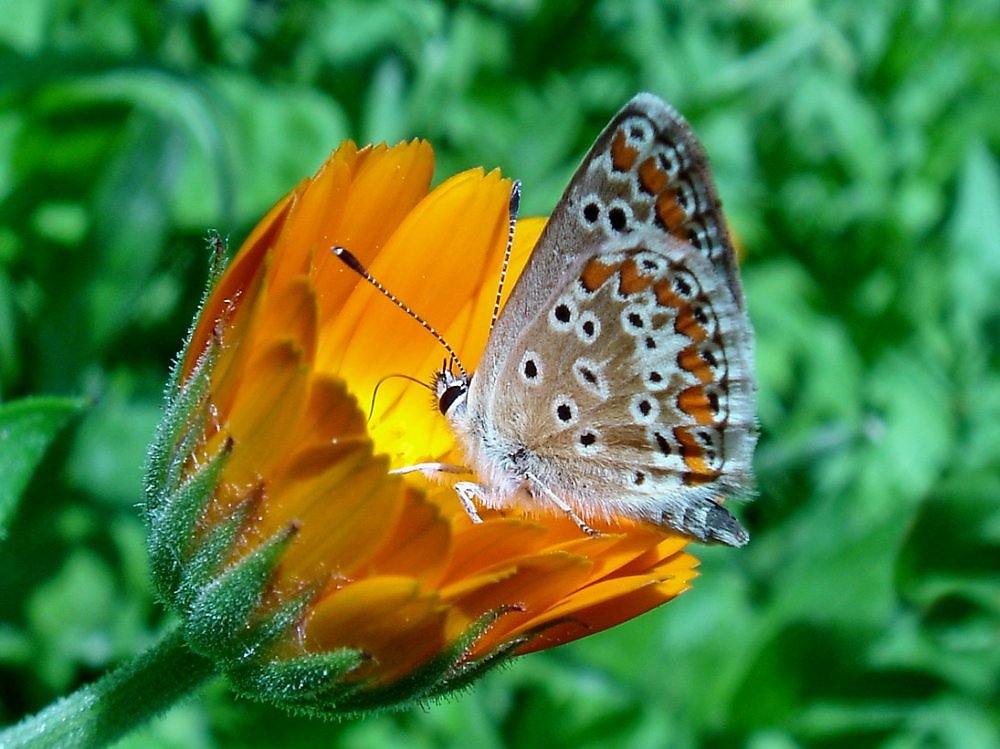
(119, 702)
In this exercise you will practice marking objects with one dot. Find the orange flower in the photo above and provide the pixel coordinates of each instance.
(293, 350)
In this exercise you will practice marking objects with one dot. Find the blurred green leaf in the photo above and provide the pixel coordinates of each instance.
(856, 147)
(27, 427)
(108, 450)
(975, 242)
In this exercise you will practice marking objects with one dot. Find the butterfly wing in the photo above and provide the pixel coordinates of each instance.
(645, 170)
(622, 363)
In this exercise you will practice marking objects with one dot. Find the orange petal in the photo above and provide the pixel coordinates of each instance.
(266, 411)
(389, 618)
(483, 545)
(317, 214)
(242, 275)
(606, 604)
(332, 413)
(533, 584)
(385, 187)
(290, 315)
(346, 507)
(420, 545)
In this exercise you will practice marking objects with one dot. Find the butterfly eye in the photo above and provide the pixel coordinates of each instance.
(451, 394)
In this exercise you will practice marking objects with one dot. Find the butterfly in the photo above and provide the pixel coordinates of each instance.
(618, 380)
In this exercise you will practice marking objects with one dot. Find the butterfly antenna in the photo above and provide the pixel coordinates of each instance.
(421, 383)
(354, 264)
(515, 201)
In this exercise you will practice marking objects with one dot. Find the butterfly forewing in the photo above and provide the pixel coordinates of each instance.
(647, 170)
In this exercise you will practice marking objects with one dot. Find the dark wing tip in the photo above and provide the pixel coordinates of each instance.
(722, 528)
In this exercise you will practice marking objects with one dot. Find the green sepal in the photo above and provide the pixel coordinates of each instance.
(311, 686)
(217, 262)
(326, 704)
(304, 679)
(174, 523)
(178, 432)
(470, 671)
(207, 558)
(463, 676)
(265, 630)
(223, 608)
(428, 680)
(326, 701)
(171, 443)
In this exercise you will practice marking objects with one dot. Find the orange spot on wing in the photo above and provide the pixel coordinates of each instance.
(694, 457)
(687, 325)
(595, 273)
(623, 156)
(652, 179)
(670, 215)
(700, 478)
(689, 359)
(632, 280)
(665, 295)
(694, 402)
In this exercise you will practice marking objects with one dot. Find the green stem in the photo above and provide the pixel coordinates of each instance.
(97, 714)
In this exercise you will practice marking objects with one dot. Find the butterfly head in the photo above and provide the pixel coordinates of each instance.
(451, 391)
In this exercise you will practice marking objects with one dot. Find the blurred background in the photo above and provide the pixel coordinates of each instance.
(856, 150)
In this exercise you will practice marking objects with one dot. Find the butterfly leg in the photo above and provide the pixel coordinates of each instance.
(467, 491)
(429, 469)
(552, 497)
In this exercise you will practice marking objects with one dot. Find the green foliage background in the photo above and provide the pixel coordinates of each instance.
(856, 149)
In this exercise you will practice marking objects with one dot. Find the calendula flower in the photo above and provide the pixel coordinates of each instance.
(297, 562)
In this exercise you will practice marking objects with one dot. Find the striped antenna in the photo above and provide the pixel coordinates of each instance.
(515, 201)
(354, 264)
